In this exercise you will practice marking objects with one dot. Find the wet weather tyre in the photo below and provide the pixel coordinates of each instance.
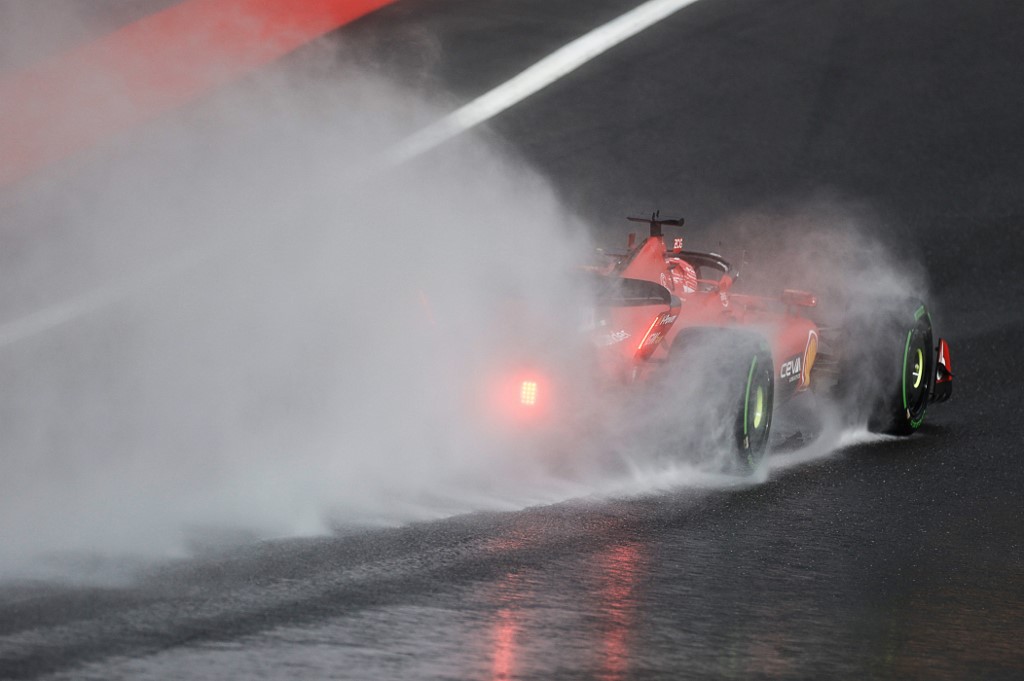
(754, 412)
(902, 410)
(736, 400)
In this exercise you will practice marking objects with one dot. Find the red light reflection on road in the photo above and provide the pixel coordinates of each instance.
(506, 628)
(507, 625)
(620, 568)
(609, 604)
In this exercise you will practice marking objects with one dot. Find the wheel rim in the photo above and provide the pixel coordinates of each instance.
(754, 420)
(914, 373)
(758, 407)
(918, 370)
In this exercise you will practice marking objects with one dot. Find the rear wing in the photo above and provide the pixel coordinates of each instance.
(656, 222)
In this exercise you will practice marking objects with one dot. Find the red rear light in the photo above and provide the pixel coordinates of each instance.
(528, 393)
(519, 397)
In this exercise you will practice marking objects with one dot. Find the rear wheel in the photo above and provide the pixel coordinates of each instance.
(735, 397)
(754, 413)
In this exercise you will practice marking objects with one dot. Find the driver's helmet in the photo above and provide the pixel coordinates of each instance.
(683, 275)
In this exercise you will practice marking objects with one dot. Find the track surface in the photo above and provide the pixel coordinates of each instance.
(893, 560)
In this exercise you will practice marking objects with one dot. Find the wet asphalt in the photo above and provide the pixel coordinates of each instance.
(890, 560)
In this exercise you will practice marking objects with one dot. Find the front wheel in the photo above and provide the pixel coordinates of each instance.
(912, 367)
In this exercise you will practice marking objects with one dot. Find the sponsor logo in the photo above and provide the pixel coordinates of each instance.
(791, 369)
(653, 339)
(612, 338)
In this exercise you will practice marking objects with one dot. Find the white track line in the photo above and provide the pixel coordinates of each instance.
(43, 320)
(545, 72)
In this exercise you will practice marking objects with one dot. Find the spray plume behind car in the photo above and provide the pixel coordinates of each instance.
(227, 329)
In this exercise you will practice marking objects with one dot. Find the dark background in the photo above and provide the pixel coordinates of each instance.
(898, 559)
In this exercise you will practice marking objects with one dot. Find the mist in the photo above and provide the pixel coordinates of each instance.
(868, 281)
(239, 323)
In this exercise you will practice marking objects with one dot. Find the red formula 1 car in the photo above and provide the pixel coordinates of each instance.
(725, 362)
